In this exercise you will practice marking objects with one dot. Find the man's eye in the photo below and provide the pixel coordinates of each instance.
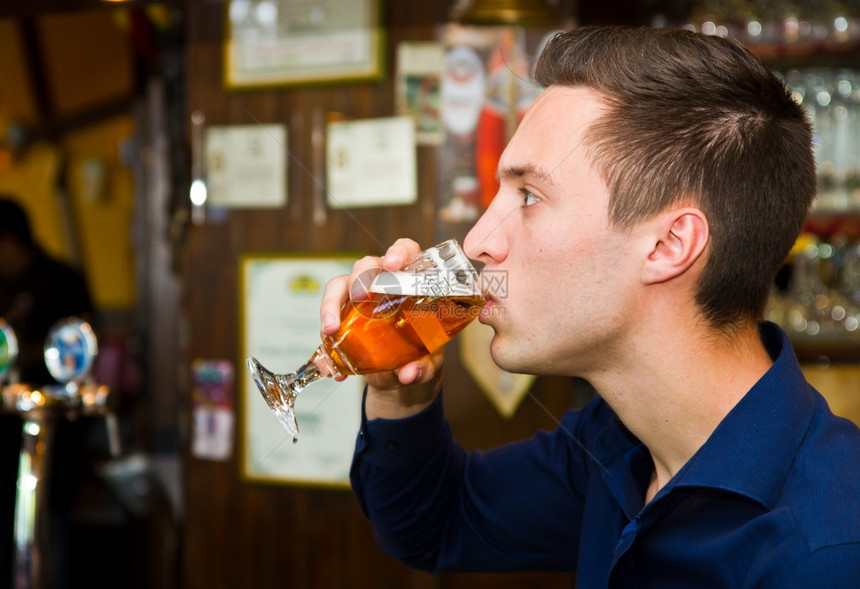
(528, 198)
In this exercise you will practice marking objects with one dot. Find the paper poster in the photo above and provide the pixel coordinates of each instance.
(486, 89)
(288, 42)
(419, 83)
(371, 162)
(246, 166)
(213, 409)
(281, 329)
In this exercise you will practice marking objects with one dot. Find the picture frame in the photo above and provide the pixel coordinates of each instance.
(286, 42)
(279, 296)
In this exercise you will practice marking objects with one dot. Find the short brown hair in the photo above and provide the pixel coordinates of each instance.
(696, 118)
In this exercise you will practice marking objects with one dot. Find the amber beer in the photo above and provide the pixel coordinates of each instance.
(386, 331)
(408, 314)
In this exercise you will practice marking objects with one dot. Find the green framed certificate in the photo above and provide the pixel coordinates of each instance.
(284, 42)
(279, 324)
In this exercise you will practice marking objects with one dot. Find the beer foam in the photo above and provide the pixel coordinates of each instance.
(438, 283)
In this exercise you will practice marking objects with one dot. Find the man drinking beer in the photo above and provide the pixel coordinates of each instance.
(646, 202)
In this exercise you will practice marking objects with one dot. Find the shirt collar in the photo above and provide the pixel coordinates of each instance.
(752, 450)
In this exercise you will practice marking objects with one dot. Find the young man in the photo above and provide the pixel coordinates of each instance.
(646, 202)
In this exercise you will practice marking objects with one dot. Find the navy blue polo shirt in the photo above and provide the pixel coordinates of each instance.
(772, 499)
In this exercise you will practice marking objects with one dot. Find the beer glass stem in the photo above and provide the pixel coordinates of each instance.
(281, 390)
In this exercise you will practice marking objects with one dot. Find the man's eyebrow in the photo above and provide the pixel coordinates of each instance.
(510, 172)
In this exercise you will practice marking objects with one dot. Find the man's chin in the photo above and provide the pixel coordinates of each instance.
(505, 359)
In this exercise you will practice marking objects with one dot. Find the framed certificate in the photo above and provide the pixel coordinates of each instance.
(283, 42)
(279, 325)
(246, 165)
(371, 162)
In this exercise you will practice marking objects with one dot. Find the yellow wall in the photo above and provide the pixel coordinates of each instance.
(103, 218)
(87, 57)
(32, 179)
(88, 63)
(840, 385)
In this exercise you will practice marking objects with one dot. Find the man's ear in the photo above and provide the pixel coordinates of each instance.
(680, 238)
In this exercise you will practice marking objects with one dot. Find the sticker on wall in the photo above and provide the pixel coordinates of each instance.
(213, 409)
(418, 88)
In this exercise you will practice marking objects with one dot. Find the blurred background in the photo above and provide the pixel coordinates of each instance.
(121, 134)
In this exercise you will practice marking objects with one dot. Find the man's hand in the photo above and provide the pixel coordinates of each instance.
(412, 387)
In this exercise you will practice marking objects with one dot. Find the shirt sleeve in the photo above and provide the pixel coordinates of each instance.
(438, 508)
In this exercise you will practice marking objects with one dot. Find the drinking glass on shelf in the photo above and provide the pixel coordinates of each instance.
(408, 314)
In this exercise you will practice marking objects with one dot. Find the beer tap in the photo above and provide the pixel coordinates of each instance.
(8, 353)
(70, 351)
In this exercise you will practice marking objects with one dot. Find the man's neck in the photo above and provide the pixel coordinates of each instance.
(681, 388)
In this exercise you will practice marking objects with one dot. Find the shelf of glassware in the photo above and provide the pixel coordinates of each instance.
(824, 53)
(817, 298)
(818, 302)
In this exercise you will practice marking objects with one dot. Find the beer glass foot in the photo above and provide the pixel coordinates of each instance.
(281, 390)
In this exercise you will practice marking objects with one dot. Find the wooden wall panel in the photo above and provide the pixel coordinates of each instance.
(240, 534)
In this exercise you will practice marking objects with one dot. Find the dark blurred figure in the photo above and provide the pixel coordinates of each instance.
(36, 291)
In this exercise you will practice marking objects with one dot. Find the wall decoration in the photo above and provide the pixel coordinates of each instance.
(213, 409)
(246, 166)
(418, 88)
(371, 162)
(279, 325)
(486, 89)
(282, 42)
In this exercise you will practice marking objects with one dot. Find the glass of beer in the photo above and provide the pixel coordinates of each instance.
(407, 314)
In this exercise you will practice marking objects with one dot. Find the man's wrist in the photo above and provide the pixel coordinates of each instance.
(401, 402)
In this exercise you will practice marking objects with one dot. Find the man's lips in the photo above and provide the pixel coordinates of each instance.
(488, 297)
(486, 311)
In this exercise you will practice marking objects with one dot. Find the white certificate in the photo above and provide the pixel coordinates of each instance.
(276, 42)
(246, 165)
(280, 321)
(371, 162)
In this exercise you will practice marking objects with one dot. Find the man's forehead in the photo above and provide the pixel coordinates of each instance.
(571, 102)
(550, 134)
